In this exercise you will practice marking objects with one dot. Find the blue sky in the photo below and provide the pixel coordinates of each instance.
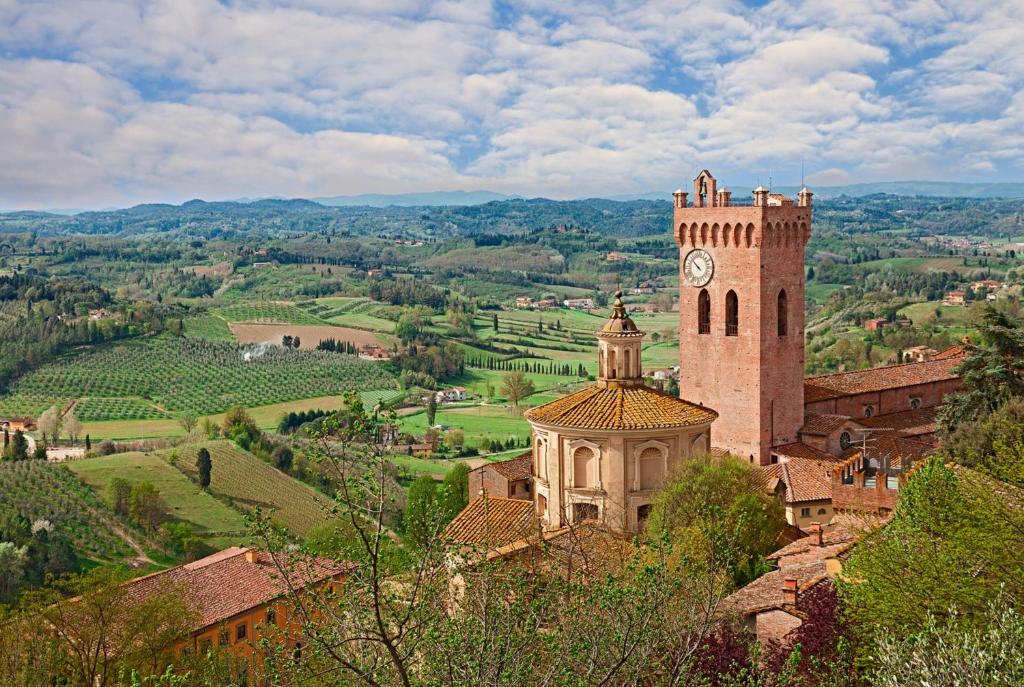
(114, 102)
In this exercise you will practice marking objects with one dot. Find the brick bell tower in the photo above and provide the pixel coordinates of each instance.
(741, 313)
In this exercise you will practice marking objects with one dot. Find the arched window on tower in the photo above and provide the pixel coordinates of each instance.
(703, 312)
(783, 313)
(732, 314)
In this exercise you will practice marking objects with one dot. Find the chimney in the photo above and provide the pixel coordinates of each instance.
(790, 591)
(816, 534)
(252, 555)
(680, 198)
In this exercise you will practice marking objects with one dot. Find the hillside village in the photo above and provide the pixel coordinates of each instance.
(188, 461)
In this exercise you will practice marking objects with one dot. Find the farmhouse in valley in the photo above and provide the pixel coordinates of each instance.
(236, 594)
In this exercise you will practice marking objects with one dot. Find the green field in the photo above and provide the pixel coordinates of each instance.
(268, 311)
(819, 293)
(215, 522)
(43, 491)
(248, 483)
(950, 315)
(208, 327)
(176, 375)
(493, 422)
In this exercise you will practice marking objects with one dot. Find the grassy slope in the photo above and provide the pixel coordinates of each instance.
(40, 490)
(267, 417)
(248, 483)
(214, 521)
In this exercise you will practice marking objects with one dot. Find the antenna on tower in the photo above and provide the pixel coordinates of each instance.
(769, 181)
(802, 184)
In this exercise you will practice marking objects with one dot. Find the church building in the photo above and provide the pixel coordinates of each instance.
(603, 452)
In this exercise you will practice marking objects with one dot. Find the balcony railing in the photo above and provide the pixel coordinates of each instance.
(732, 330)
(704, 328)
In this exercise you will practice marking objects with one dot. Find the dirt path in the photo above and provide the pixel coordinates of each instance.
(115, 527)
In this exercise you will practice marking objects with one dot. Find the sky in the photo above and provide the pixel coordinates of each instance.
(116, 102)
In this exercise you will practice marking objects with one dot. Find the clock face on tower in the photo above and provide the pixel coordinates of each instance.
(698, 267)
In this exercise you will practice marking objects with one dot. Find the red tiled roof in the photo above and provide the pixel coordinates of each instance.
(895, 448)
(804, 479)
(879, 379)
(619, 407)
(491, 521)
(955, 351)
(821, 424)
(806, 549)
(225, 584)
(766, 591)
(906, 422)
(513, 469)
(799, 449)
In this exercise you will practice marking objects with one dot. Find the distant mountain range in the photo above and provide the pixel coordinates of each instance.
(934, 189)
(947, 189)
(431, 198)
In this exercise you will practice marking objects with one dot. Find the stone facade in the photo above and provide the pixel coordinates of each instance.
(508, 479)
(741, 334)
(602, 453)
(610, 476)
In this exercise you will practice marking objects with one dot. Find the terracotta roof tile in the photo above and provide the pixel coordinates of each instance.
(491, 521)
(804, 550)
(225, 584)
(514, 468)
(766, 591)
(805, 479)
(621, 407)
(821, 424)
(907, 422)
(799, 449)
(894, 448)
(957, 351)
(879, 378)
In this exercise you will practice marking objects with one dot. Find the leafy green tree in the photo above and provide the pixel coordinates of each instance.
(718, 505)
(409, 327)
(146, 507)
(421, 511)
(989, 653)
(455, 491)
(119, 492)
(17, 449)
(431, 409)
(993, 445)
(992, 371)
(946, 546)
(13, 559)
(516, 386)
(204, 465)
(283, 457)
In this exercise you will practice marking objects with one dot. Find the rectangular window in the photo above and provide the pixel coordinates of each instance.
(224, 637)
(805, 512)
(205, 644)
(240, 632)
(271, 616)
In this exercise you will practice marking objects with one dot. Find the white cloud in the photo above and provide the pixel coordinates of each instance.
(123, 100)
